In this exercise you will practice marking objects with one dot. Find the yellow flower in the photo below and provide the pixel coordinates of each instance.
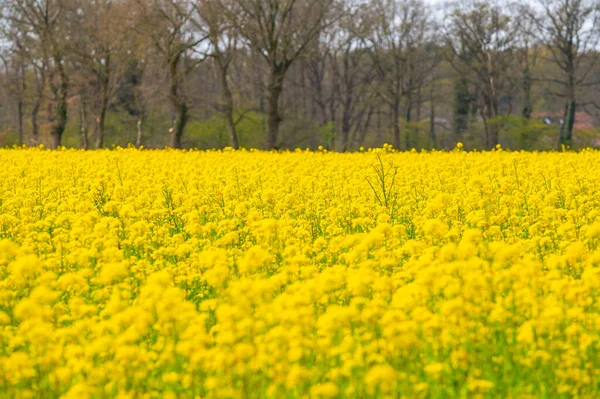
(382, 377)
(525, 334)
(112, 272)
(480, 385)
(25, 267)
(434, 369)
(255, 259)
(223, 272)
(325, 390)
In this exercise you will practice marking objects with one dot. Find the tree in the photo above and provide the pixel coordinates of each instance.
(96, 52)
(395, 30)
(462, 106)
(170, 26)
(280, 31)
(318, 81)
(480, 37)
(43, 22)
(223, 38)
(569, 31)
(28, 81)
(353, 74)
(337, 74)
(14, 65)
(40, 72)
(527, 53)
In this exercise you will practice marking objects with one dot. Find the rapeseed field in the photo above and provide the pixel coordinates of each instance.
(248, 274)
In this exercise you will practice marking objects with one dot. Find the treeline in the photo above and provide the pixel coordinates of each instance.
(299, 73)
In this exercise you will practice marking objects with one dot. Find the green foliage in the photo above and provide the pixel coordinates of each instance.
(515, 132)
(328, 133)
(416, 134)
(212, 132)
(8, 136)
(527, 134)
(583, 138)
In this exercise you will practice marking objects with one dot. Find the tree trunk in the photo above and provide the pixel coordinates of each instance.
(83, 127)
(432, 139)
(101, 117)
(462, 107)
(179, 125)
(59, 121)
(20, 104)
(396, 123)
(346, 123)
(101, 121)
(493, 134)
(568, 123)
(140, 130)
(345, 134)
(233, 139)
(35, 128)
(493, 129)
(303, 93)
(486, 133)
(527, 84)
(486, 128)
(409, 106)
(378, 130)
(228, 108)
(273, 121)
(40, 86)
(55, 139)
(419, 100)
(275, 89)
(492, 101)
(408, 118)
(20, 120)
(361, 132)
(179, 104)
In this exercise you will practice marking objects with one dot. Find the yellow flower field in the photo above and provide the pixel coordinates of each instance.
(166, 274)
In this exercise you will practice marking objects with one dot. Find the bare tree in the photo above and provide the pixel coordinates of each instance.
(318, 79)
(224, 38)
(139, 101)
(40, 73)
(280, 31)
(527, 55)
(16, 85)
(569, 30)
(28, 84)
(354, 74)
(96, 49)
(169, 26)
(480, 37)
(27, 52)
(83, 117)
(44, 21)
(395, 29)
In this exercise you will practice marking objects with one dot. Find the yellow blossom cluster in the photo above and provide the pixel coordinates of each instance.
(248, 274)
